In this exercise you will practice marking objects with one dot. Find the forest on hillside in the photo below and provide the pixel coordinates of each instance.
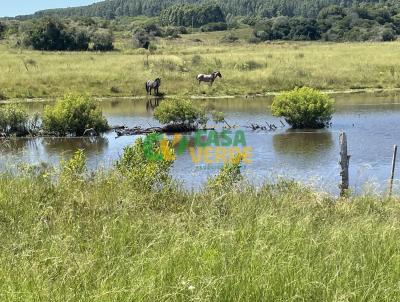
(255, 8)
(350, 21)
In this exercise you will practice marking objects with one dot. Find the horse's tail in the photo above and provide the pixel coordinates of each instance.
(146, 85)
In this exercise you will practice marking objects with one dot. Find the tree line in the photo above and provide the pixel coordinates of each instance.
(193, 15)
(256, 8)
(334, 23)
(352, 21)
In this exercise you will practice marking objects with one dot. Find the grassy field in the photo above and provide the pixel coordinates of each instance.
(103, 238)
(246, 68)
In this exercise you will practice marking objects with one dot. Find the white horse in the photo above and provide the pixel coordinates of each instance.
(208, 78)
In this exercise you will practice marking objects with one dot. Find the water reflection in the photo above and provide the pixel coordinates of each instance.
(371, 122)
(15, 146)
(308, 144)
(152, 104)
(92, 146)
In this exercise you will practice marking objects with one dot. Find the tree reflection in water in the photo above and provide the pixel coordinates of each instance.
(307, 143)
(91, 145)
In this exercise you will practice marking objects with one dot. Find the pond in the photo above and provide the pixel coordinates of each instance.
(372, 124)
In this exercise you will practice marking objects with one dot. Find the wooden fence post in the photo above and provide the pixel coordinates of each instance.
(344, 164)
(393, 169)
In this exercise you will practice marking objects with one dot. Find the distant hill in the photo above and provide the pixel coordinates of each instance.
(264, 8)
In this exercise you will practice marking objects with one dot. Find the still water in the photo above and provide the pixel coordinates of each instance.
(371, 122)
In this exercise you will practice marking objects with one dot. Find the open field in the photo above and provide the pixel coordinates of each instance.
(246, 68)
(106, 239)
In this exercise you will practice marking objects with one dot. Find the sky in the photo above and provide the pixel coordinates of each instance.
(12, 8)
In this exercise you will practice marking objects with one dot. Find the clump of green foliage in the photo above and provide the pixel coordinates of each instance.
(2, 30)
(175, 32)
(145, 33)
(229, 38)
(214, 26)
(147, 163)
(304, 108)
(102, 40)
(378, 22)
(229, 175)
(249, 65)
(180, 112)
(51, 34)
(141, 38)
(72, 115)
(286, 28)
(219, 117)
(74, 168)
(13, 119)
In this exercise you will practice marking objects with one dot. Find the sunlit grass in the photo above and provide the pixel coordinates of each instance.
(280, 66)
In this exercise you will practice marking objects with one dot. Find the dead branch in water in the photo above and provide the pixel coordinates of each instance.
(181, 128)
(268, 127)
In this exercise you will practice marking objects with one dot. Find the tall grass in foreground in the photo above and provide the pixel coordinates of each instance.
(107, 237)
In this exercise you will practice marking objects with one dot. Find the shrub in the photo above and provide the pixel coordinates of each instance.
(304, 108)
(296, 28)
(74, 168)
(102, 41)
(179, 112)
(229, 175)
(219, 117)
(115, 89)
(250, 20)
(388, 35)
(196, 60)
(153, 29)
(141, 39)
(229, 38)
(143, 171)
(249, 65)
(13, 118)
(254, 40)
(172, 32)
(2, 30)
(3, 96)
(73, 115)
(52, 34)
(182, 30)
(78, 39)
(214, 26)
